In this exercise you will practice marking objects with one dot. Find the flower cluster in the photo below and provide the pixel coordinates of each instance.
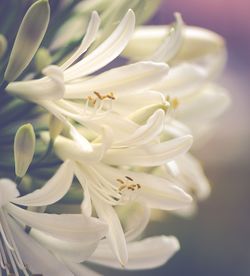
(101, 114)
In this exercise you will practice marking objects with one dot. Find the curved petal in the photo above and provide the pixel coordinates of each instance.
(52, 191)
(172, 43)
(73, 251)
(38, 259)
(149, 155)
(145, 133)
(106, 52)
(115, 234)
(78, 269)
(76, 228)
(87, 40)
(146, 254)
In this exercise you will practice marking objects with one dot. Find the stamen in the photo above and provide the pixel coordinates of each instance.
(127, 185)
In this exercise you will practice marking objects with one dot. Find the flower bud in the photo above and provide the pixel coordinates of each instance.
(55, 127)
(3, 45)
(42, 59)
(28, 39)
(24, 148)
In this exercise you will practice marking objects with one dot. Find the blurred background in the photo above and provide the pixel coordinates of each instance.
(216, 241)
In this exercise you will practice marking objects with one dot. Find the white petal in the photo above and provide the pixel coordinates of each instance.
(145, 254)
(145, 133)
(87, 40)
(52, 191)
(115, 234)
(172, 43)
(182, 79)
(135, 217)
(37, 258)
(126, 79)
(76, 252)
(149, 155)
(205, 105)
(86, 205)
(47, 88)
(106, 52)
(76, 228)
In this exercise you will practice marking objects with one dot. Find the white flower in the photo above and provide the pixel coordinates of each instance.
(22, 253)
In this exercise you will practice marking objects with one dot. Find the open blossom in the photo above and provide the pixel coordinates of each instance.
(118, 141)
(19, 252)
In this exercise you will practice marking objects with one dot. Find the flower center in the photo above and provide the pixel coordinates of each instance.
(99, 104)
(127, 189)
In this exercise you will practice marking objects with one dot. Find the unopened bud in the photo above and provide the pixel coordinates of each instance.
(141, 116)
(42, 59)
(24, 148)
(55, 127)
(3, 45)
(28, 39)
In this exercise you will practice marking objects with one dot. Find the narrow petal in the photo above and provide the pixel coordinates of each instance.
(76, 228)
(126, 79)
(37, 258)
(115, 234)
(106, 52)
(149, 155)
(172, 43)
(52, 191)
(89, 37)
(146, 254)
(145, 133)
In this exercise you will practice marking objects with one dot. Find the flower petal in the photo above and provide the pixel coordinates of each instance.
(87, 40)
(149, 253)
(145, 133)
(149, 155)
(38, 259)
(52, 191)
(125, 79)
(106, 52)
(50, 87)
(73, 251)
(76, 228)
(115, 234)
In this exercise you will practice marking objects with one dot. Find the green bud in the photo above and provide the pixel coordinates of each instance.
(42, 59)
(28, 39)
(55, 127)
(141, 115)
(3, 45)
(24, 148)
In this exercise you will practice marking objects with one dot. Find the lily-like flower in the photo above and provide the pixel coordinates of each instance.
(20, 252)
